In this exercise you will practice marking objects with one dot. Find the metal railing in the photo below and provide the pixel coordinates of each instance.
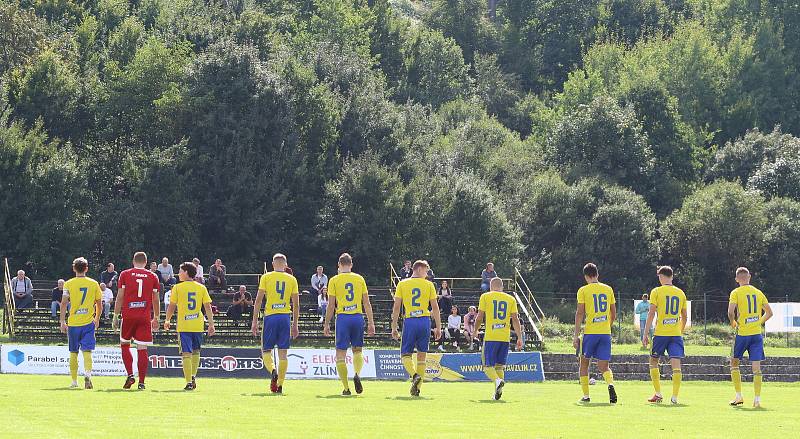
(10, 306)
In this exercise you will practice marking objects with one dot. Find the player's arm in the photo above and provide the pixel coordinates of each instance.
(767, 313)
(98, 309)
(651, 315)
(478, 323)
(295, 314)
(326, 328)
(732, 313)
(63, 319)
(612, 313)
(580, 313)
(368, 311)
(398, 302)
(156, 310)
(170, 312)
(515, 323)
(684, 318)
(210, 317)
(256, 311)
(437, 317)
(118, 307)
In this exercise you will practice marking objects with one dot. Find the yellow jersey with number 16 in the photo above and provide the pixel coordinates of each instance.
(597, 298)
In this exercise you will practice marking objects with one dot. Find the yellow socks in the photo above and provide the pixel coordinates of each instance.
(501, 372)
(87, 363)
(736, 377)
(757, 384)
(585, 385)
(195, 363)
(655, 377)
(268, 364)
(187, 368)
(421, 371)
(73, 366)
(609, 377)
(677, 376)
(408, 363)
(341, 368)
(358, 363)
(491, 372)
(283, 365)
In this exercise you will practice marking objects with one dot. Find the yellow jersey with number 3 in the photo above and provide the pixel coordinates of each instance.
(669, 301)
(498, 308)
(189, 298)
(417, 294)
(82, 293)
(750, 303)
(349, 290)
(597, 298)
(278, 287)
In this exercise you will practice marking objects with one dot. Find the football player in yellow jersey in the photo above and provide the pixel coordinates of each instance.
(348, 295)
(669, 302)
(188, 297)
(753, 310)
(596, 303)
(417, 296)
(82, 295)
(278, 289)
(500, 311)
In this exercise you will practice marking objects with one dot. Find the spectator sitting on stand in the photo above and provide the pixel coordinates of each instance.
(453, 328)
(242, 304)
(167, 273)
(318, 281)
(470, 331)
(406, 271)
(110, 276)
(445, 296)
(154, 269)
(55, 301)
(486, 276)
(322, 303)
(166, 298)
(216, 276)
(108, 299)
(22, 287)
(199, 276)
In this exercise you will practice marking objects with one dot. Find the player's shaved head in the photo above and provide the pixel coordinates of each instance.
(279, 262)
(80, 265)
(496, 284)
(139, 259)
(345, 260)
(741, 271)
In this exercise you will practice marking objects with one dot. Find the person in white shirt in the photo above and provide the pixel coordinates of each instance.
(108, 299)
(318, 281)
(199, 277)
(453, 328)
(322, 303)
(166, 298)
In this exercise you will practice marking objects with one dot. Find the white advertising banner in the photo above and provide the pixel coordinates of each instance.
(321, 363)
(54, 360)
(688, 312)
(786, 317)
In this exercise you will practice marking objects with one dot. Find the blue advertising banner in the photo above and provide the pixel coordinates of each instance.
(522, 366)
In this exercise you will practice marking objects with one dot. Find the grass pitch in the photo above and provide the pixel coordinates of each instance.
(42, 406)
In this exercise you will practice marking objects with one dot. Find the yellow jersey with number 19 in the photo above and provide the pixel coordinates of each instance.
(597, 298)
(278, 287)
(498, 308)
(189, 297)
(750, 303)
(83, 292)
(417, 294)
(349, 290)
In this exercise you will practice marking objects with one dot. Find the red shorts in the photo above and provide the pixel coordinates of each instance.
(136, 330)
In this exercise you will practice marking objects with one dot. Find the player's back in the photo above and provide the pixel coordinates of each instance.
(597, 298)
(349, 290)
(83, 292)
(498, 308)
(189, 298)
(139, 285)
(749, 302)
(416, 293)
(278, 287)
(669, 301)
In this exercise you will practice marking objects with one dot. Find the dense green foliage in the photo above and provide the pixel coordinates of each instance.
(629, 133)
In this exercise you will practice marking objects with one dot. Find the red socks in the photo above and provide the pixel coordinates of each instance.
(127, 358)
(141, 360)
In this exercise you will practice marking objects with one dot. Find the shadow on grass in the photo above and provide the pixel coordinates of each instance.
(595, 404)
(265, 395)
(670, 405)
(119, 390)
(67, 389)
(490, 401)
(336, 396)
(171, 391)
(751, 409)
(408, 398)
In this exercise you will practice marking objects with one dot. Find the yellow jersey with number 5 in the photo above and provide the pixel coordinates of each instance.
(597, 298)
(189, 298)
(83, 292)
(278, 287)
(349, 290)
(750, 303)
(498, 308)
(417, 294)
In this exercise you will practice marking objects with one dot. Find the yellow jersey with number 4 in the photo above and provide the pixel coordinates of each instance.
(417, 294)
(278, 287)
(597, 298)
(349, 290)
(83, 292)
(498, 308)
(670, 301)
(189, 298)
(750, 303)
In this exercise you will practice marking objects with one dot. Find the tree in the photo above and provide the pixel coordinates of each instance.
(462, 20)
(778, 262)
(498, 90)
(21, 35)
(435, 70)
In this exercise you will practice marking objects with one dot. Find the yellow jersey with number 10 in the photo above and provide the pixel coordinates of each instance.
(83, 292)
(750, 303)
(417, 294)
(278, 287)
(189, 297)
(349, 290)
(597, 298)
(498, 308)
(669, 301)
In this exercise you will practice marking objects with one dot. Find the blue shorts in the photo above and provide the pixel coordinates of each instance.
(416, 335)
(495, 353)
(81, 338)
(597, 346)
(753, 344)
(277, 332)
(672, 345)
(349, 331)
(190, 342)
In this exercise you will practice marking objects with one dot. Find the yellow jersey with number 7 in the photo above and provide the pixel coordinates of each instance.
(83, 292)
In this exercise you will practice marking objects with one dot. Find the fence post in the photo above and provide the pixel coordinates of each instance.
(787, 332)
(705, 318)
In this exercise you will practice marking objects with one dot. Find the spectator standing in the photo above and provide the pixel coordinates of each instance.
(486, 276)
(216, 276)
(167, 273)
(108, 299)
(643, 308)
(470, 331)
(199, 276)
(322, 303)
(242, 304)
(445, 296)
(110, 276)
(406, 271)
(55, 301)
(22, 287)
(319, 280)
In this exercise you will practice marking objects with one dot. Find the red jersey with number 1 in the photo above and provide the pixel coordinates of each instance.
(139, 285)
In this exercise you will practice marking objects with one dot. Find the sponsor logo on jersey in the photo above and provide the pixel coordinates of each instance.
(751, 319)
(498, 326)
(670, 321)
(191, 316)
(350, 307)
(279, 306)
(134, 305)
(600, 319)
(82, 311)
(416, 313)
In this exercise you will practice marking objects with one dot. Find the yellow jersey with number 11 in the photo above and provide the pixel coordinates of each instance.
(750, 303)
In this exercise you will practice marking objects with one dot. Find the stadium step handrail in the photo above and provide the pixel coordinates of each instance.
(527, 293)
(10, 306)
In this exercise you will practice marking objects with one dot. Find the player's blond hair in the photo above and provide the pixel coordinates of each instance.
(742, 270)
(140, 258)
(421, 263)
(345, 259)
(496, 284)
(279, 257)
(80, 265)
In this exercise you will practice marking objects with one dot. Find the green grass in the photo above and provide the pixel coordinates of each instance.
(41, 406)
